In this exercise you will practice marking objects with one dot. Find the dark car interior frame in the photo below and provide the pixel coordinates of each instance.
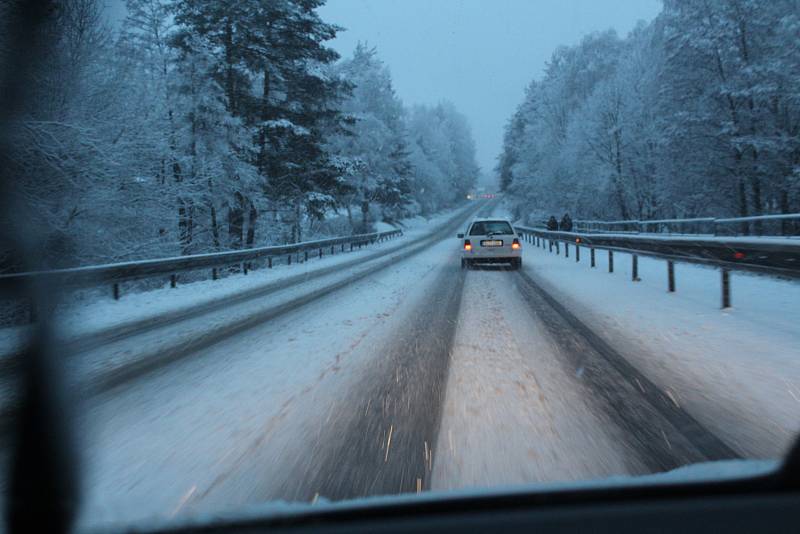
(42, 494)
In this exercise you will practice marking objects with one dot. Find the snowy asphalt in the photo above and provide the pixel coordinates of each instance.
(411, 377)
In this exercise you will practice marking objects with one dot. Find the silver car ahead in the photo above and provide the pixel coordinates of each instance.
(490, 240)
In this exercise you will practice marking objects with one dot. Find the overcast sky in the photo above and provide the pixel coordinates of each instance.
(479, 54)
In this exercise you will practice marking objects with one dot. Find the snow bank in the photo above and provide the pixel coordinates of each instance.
(736, 370)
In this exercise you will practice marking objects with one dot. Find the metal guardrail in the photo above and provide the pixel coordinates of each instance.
(94, 275)
(775, 257)
(758, 225)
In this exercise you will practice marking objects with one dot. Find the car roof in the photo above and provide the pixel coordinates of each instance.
(481, 219)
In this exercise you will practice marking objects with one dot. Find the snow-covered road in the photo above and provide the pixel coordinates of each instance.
(275, 412)
(413, 376)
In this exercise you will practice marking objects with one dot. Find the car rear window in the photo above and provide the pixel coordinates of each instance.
(494, 227)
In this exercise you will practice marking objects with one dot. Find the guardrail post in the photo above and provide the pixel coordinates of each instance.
(173, 280)
(244, 267)
(726, 288)
(269, 262)
(577, 253)
(332, 249)
(591, 256)
(566, 249)
(214, 273)
(558, 248)
(635, 268)
(550, 244)
(351, 246)
(670, 276)
(115, 290)
(290, 260)
(611, 261)
(305, 256)
(343, 247)
(320, 252)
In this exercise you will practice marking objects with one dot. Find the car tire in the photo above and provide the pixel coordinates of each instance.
(516, 263)
(464, 263)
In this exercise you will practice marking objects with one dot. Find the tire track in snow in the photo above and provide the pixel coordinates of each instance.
(384, 444)
(665, 435)
(513, 413)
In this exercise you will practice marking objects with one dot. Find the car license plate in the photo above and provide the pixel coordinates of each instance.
(492, 243)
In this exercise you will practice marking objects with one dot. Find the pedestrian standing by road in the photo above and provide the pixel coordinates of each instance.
(552, 223)
(566, 223)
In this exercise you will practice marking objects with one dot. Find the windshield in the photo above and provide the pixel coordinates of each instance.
(490, 227)
(244, 222)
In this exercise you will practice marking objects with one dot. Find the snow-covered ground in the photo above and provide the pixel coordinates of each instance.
(100, 313)
(736, 370)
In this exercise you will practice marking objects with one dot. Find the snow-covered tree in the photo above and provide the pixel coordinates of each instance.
(375, 141)
(695, 113)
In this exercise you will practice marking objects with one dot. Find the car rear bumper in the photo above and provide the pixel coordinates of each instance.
(490, 259)
(491, 253)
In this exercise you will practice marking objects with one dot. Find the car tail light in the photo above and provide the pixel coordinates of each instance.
(515, 244)
(738, 255)
(467, 245)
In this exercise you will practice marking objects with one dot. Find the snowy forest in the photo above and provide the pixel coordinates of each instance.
(207, 125)
(694, 114)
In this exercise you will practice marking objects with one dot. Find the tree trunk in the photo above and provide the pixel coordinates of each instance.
(297, 233)
(349, 215)
(364, 215)
(623, 207)
(213, 212)
(189, 228)
(758, 209)
(265, 116)
(251, 225)
(183, 231)
(214, 226)
(230, 88)
(236, 221)
(786, 225)
(745, 228)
